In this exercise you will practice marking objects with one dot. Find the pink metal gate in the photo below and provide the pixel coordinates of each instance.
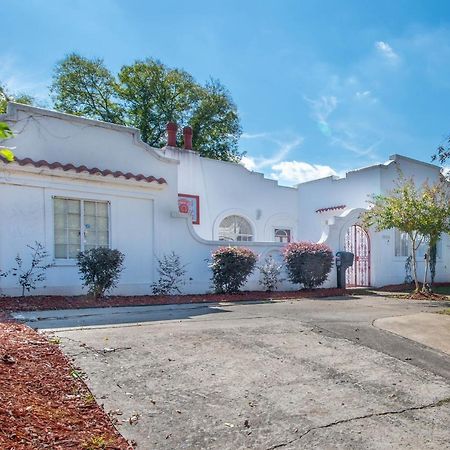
(357, 241)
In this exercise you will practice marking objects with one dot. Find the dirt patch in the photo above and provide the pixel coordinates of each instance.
(45, 403)
(36, 303)
(430, 296)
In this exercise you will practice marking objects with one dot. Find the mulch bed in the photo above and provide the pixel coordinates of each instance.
(35, 303)
(44, 402)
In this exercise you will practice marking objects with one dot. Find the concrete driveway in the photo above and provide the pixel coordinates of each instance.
(302, 374)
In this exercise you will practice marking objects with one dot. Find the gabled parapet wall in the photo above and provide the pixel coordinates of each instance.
(41, 134)
(226, 188)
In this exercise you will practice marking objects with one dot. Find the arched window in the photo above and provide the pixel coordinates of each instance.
(282, 235)
(235, 228)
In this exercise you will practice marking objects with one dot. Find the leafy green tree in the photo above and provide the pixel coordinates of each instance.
(215, 123)
(6, 97)
(85, 87)
(6, 133)
(147, 94)
(435, 220)
(422, 213)
(153, 95)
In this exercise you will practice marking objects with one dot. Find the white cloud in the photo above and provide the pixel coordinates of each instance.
(294, 172)
(286, 172)
(248, 162)
(386, 50)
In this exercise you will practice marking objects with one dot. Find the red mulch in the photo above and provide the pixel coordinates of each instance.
(33, 303)
(42, 405)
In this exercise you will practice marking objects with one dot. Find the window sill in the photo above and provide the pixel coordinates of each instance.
(419, 259)
(64, 262)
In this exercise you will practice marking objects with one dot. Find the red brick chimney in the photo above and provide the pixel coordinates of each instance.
(187, 138)
(171, 128)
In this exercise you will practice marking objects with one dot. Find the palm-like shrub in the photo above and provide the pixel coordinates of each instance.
(270, 272)
(308, 263)
(171, 275)
(231, 267)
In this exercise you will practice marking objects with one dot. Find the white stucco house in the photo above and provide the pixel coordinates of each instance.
(78, 183)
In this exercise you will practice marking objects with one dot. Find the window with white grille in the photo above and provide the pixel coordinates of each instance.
(403, 245)
(79, 225)
(235, 228)
(282, 235)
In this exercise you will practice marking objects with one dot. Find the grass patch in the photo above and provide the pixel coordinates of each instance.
(445, 311)
(443, 290)
(96, 443)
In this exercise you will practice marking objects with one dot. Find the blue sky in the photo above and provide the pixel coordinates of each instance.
(321, 86)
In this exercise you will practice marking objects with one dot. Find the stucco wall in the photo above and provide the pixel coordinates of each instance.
(142, 227)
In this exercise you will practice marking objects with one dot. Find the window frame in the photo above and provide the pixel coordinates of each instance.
(82, 200)
(281, 228)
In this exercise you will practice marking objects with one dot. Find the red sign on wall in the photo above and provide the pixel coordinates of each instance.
(190, 204)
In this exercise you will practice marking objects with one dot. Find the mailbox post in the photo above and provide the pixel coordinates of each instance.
(344, 260)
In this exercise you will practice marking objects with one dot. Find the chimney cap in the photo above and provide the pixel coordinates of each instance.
(187, 138)
(172, 126)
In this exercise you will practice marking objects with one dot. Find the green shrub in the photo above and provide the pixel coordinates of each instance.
(100, 269)
(231, 267)
(308, 263)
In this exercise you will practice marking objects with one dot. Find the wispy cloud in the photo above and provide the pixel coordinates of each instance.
(18, 82)
(321, 110)
(282, 150)
(365, 96)
(386, 50)
(253, 136)
(357, 149)
(344, 132)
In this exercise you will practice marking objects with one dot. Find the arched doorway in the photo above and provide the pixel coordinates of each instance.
(357, 241)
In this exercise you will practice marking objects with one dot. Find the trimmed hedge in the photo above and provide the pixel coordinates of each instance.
(231, 267)
(308, 263)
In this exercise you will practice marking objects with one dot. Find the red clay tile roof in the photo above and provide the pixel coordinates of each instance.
(84, 169)
(331, 208)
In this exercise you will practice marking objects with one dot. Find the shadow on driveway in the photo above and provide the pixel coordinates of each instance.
(92, 317)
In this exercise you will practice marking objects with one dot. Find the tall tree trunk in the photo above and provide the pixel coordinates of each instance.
(414, 261)
(432, 259)
(427, 264)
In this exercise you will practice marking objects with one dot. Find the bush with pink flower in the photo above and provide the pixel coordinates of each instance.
(308, 263)
(231, 266)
